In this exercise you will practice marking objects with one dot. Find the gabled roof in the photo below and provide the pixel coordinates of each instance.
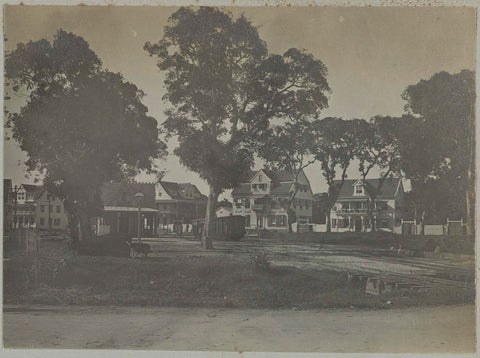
(36, 190)
(280, 175)
(243, 188)
(281, 189)
(29, 188)
(281, 182)
(123, 194)
(388, 191)
(177, 190)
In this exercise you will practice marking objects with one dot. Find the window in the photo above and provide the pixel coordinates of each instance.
(383, 224)
(50, 208)
(42, 208)
(59, 209)
(32, 220)
(358, 189)
(254, 186)
(342, 223)
(42, 221)
(56, 222)
(247, 203)
(334, 222)
(258, 201)
(50, 222)
(260, 177)
(247, 221)
(383, 206)
(277, 220)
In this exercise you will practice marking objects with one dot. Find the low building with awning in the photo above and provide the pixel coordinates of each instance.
(123, 203)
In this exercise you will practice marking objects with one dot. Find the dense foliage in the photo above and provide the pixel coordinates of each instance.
(224, 89)
(81, 124)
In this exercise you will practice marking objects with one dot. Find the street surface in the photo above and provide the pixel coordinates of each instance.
(445, 329)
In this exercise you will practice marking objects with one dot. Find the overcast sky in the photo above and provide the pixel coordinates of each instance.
(372, 54)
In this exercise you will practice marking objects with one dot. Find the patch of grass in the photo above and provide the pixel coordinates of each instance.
(199, 281)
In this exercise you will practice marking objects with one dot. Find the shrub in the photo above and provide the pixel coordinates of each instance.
(107, 245)
(259, 262)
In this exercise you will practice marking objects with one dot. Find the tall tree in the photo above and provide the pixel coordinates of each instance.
(335, 147)
(224, 89)
(289, 147)
(377, 147)
(445, 136)
(81, 125)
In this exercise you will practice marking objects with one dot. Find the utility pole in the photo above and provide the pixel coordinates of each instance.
(49, 216)
(139, 196)
(15, 189)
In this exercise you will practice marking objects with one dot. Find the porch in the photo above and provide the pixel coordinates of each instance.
(124, 220)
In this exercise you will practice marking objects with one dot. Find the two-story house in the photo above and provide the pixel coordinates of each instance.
(36, 207)
(178, 204)
(264, 199)
(350, 211)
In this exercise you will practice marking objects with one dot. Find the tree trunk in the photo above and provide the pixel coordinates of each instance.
(423, 223)
(470, 200)
(329, 228)
(292, 212)
(371, 215)
(83, 222)
(332, 200)
(209, 227)
(470, 191)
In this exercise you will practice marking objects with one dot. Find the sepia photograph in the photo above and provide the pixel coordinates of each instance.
(239, 178)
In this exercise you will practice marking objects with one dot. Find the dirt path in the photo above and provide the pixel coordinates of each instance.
(446, 329)
(352, 258)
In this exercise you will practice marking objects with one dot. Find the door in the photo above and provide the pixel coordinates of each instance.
(358, 225)
(123, 225)
(259, 221)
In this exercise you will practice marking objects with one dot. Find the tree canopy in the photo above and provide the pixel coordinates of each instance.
(224, 89)
(335, 146)
(438, 145)
(81, 125)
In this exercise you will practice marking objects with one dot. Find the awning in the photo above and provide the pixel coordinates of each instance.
(128, 209)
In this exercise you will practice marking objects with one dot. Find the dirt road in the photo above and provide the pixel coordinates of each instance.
(446, 329)
(351, 258)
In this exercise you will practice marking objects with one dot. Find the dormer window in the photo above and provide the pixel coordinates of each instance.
(359, 189)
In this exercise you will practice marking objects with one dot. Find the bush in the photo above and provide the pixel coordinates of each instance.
(259, 262)
(107, 245)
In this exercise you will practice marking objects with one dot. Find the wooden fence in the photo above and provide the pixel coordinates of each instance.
(27, 241)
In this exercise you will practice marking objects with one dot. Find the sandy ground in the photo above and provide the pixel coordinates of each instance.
(446, 329)
(342, 258)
